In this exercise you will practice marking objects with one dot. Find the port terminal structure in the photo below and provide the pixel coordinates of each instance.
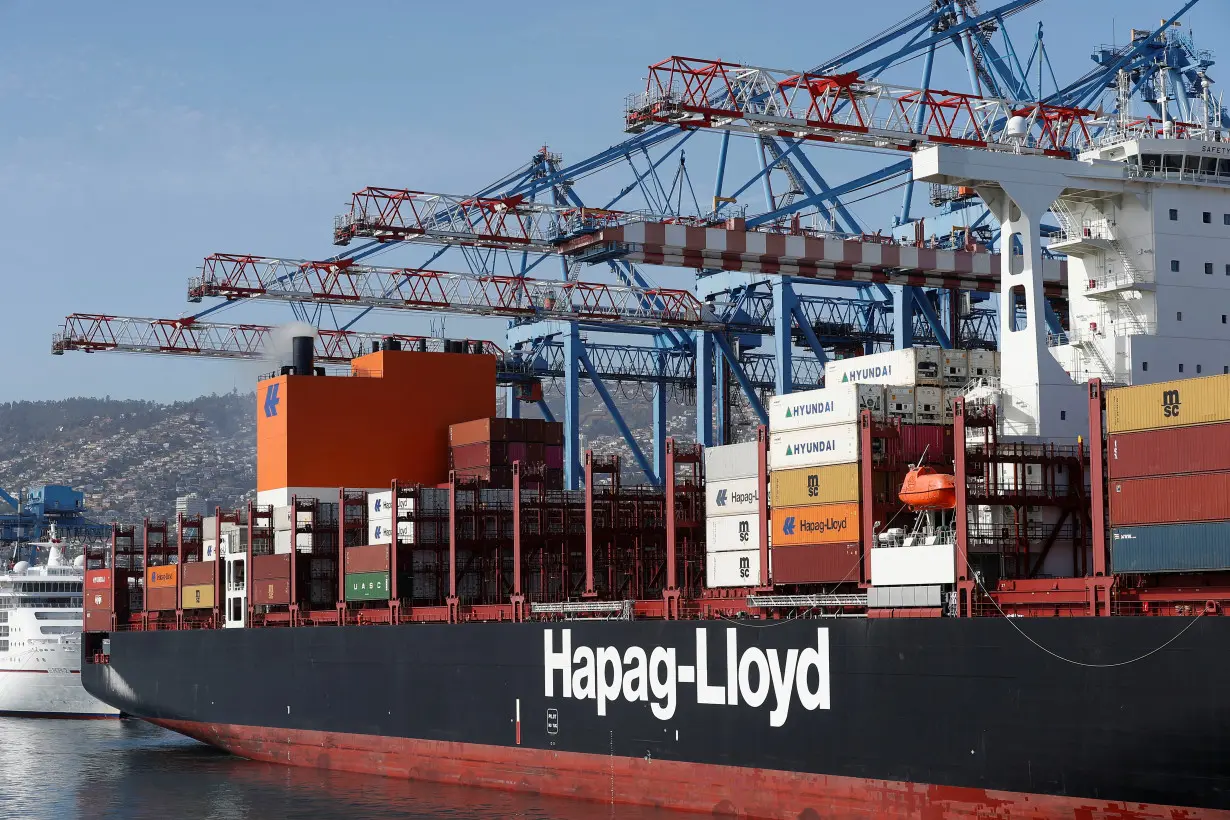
(762, 326)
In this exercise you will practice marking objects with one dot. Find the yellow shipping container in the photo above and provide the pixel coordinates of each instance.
(200, 596)
(1168, 404)
(814, 485)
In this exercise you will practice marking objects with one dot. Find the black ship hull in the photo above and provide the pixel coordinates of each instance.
(806, 718)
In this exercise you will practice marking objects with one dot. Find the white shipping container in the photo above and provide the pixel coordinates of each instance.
(380, 504)
(731, 461)
(731, 533)
(900, 401)
(733, 569)
(949, 397)
(835, 444)
(983, 364)
(281, 518)
(282, 541)
(929, 405)
(381, 532)
(734, 496)
(955, 367)
(840, 404)
(209, 549)
(303, 541)
(910, 366)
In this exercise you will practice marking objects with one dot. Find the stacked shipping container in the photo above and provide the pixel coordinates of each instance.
(732, 512)
(485, 449)
(1168, 464)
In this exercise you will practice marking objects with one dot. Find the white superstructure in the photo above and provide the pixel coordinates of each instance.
(40, 641)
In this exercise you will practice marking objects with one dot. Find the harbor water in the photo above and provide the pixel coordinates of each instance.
(59, 769)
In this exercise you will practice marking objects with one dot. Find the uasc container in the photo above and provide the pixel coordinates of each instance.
(1171, 451)
(815, 485)
(1170, 499)
(819, 524)
(1199, 547)
(367, 586)
(816, 563)
(1168, 404)
(836, 444)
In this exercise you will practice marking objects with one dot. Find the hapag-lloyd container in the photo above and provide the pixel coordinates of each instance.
(907, 367)
(815, 485)
(815, 563)
(381, 532)
(731, 461)
(819, 524)
(732, 569)
(732, 533)
(161, 577)
(734, 496)
(835, 444)
(1171, 548)
(1204, 448)
(1168, 404)
(1170, 499)
(840, 404)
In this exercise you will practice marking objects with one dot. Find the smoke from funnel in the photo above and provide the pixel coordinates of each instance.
(280, 349)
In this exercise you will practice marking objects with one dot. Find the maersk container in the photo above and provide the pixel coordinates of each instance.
(732, 533)
(815, 485)
(1170, 499)
(1173, 451)
(840, 404)
(732, 569)
(367, 586)
(910, 367)
(836, 444)
(734, 496)
(731, 461)
(1168, 404)
(1199, 547)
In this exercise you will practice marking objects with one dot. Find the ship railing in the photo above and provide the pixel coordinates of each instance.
(610, 610)
(816, 601)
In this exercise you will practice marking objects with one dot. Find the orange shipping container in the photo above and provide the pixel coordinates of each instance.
(314, 431)
(161, 577)
(819, 524)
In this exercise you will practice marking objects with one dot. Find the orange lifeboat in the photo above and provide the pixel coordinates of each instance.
(925, 489)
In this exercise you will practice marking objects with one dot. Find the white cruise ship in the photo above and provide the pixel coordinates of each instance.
(40, 640)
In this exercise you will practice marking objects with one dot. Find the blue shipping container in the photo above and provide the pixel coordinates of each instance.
(1171, 547)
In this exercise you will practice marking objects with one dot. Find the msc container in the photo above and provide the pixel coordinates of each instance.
(983, 364)
(198, 596)
(818, 524)
(732, 533)
(1168, 404)
(1171, 548)
(270, 566)
(98, 579)
(270, 591)
(836, 444)
(481, 454)
(840, 404)
(1170, 499)
(910, 367)
(732, 569)
(954, 367)
(734, 496)
(814, 485)
(899, 404)
(367, 586)
(160, 599)
(929, 405)
(381, 532)
(731, 461)
(472, 432)
(815, 563)
(1172, 451)
(198, 572)
(161, 577)
(367, 559)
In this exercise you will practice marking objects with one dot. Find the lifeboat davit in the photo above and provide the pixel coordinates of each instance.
(925, 489)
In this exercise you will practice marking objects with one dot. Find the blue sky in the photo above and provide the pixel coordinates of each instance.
(138, 137)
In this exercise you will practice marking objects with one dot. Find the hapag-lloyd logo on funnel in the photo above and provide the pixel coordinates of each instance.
(607, 674)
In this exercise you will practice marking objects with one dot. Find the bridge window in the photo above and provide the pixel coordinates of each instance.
(1225, 219)
(1172, 162)
(1151, 162)
(1208, 218)
(1174, 214)
(1020, 320)
(1223, 169)
(1144, 366)
(1174, 265)
(1178, 317)
(1208, 165)
(1198, 369)
(1180, 368)
(1208, 268)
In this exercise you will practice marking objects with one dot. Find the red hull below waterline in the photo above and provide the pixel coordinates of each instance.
(721, 791)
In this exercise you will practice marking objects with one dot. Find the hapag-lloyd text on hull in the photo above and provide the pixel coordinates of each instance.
(606, 674)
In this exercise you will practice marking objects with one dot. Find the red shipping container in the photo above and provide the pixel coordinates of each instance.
(536, 452)
(482, 454)
(1173, 451)
(97, 620)
(271, 591)
(479, 430)
(818, 564)
(373, 558)
(159, 599)
(98, 579)
(516, 429)
(198, 572)
(1170, 499)
(98, 600)
(534, 429)
(552, 432)
(270, 566)
(517, 451)
(553, 455)
(935, 440)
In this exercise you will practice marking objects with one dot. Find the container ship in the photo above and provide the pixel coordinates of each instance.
(946, 583)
